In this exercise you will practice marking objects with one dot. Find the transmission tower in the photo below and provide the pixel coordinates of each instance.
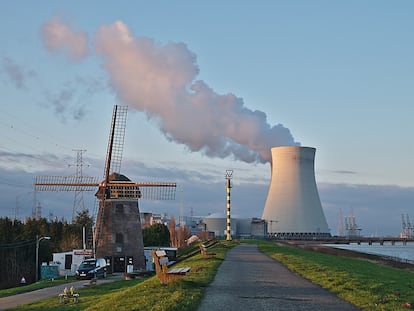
(78, 202)
(38, 211)
(340, 224)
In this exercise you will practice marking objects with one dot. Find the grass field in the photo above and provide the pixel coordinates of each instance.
(368, 285)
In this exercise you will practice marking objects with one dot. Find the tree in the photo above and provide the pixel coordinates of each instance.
(173, 233)
(156, 235)
(183, 233)
(83, 219)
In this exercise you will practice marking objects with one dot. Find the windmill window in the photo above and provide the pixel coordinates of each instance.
(119, 238)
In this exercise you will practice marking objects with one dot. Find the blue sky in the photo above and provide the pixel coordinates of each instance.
(334, 75)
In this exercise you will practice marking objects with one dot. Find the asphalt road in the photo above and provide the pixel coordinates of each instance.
(16, 300)
(249, 280)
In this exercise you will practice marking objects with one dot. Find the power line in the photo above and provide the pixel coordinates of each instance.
(17, 244)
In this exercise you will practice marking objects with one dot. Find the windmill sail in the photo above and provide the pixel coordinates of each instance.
(116, 141)
(115, 189)
(66, 183)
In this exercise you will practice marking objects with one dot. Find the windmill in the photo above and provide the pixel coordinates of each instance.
(118, 235)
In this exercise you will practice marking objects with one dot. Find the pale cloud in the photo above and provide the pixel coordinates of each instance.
(68, 102)
(15, 73)
(377, 208)
(58, 35)
(27, 162)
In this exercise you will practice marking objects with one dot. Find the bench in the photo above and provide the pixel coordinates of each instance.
(68, 295)
(161, 262)
(204, 254)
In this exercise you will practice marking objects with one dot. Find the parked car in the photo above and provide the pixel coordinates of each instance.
(92, 268)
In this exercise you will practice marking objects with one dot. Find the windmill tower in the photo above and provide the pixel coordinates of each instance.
(118, 232)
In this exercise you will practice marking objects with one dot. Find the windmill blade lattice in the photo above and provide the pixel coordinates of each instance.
(66, 183)
(116, 141)
(147, 191)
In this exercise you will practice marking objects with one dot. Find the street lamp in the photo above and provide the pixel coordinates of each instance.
(37, 253)
(271, 229)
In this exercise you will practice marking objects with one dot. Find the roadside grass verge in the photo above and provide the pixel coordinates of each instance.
(184, 294)
(366, 284)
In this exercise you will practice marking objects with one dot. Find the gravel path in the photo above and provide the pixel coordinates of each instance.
(249, 280)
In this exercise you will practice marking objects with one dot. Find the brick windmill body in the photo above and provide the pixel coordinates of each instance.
(118, 234)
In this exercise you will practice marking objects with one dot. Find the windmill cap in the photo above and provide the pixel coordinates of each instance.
(118, 177)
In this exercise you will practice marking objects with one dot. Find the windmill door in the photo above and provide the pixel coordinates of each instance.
(119, 264)
(68, 261)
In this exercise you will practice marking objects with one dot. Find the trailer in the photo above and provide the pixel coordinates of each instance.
(68, 262)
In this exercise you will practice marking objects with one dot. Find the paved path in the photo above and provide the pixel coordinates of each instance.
(16, 300)
(250, 280)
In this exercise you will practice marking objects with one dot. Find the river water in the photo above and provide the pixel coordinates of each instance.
(398, 251)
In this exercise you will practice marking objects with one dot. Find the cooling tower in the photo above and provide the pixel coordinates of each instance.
(293, 208)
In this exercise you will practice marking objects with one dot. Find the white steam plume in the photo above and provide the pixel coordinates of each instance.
(160, 80)
(58, 35)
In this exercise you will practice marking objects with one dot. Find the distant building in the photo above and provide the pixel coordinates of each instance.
(213, 225)
(240, 227)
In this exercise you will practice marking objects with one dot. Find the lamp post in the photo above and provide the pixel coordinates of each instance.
(271, 228)
(37, 253)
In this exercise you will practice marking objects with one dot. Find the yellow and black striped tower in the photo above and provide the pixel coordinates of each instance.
(229, 176)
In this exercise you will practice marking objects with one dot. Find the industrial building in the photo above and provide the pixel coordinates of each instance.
(240, 227)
